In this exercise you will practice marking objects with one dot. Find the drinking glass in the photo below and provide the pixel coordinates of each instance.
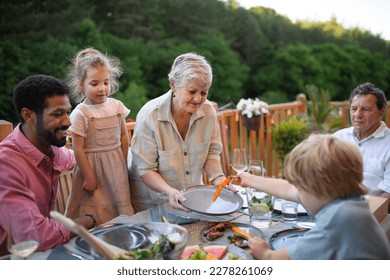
(168, 213)
(240, 163)
(22, 238)
(256, 167)
(261, 206)
(289, 210)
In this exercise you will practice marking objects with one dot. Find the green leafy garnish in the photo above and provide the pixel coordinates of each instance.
(156, 251)
(267, 200)
(232, 256)
(198, 255)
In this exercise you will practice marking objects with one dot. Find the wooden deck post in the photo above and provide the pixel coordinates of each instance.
(5, 129)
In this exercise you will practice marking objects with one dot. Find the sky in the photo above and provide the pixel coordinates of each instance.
(371, 15)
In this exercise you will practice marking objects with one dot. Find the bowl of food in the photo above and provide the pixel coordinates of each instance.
(165, 242)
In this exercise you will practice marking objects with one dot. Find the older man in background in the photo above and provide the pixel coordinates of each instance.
(370, 133)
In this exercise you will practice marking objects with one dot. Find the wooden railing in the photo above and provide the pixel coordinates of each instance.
(5, 129)
(258, 143)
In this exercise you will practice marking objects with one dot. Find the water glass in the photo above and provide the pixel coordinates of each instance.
(289, 211)
(256, 167)
(260, 205)
(168, 213)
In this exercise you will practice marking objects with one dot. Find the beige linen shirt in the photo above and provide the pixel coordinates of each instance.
(157, 145)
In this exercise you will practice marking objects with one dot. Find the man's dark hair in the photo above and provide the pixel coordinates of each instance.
(33, 92)
(369, 88)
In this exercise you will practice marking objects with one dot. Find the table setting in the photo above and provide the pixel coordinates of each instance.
(232, 207)
(280, 233)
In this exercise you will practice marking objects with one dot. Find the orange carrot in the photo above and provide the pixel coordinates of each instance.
(221, 186)
(242, 232)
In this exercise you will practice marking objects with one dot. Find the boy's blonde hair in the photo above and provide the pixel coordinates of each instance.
(91, 58)
(326, 166)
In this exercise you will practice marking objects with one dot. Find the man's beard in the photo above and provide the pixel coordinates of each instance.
(49, 136)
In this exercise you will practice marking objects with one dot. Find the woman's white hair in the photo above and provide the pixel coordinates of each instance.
(189, 66)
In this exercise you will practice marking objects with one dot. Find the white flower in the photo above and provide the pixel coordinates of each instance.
(252, 107)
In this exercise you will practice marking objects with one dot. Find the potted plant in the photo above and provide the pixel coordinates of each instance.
(322, 115)
(287, 134)
(252, 111)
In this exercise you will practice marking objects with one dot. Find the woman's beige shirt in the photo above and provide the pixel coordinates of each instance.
(157, 145)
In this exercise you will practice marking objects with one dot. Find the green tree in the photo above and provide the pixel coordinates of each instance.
(134, 97)
(225, 63)
(255, 52)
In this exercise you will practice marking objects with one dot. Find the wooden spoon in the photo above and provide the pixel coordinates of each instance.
(105, 249)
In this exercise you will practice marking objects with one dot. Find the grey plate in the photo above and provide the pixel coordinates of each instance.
(241, 253)
(125, 236)
(285, 238)
(200, 199)
(223, 240)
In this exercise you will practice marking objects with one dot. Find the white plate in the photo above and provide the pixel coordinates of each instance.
(200, 199)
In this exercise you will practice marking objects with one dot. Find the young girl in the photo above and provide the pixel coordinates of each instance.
(99, 138)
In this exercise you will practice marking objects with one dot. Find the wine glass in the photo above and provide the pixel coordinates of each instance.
(256, 167)
(22, 238)
(240, 163)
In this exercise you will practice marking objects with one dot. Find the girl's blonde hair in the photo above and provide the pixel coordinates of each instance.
(86, 59)
(326, 166)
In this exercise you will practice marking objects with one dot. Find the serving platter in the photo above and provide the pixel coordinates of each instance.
(200, 199)
(223, 240)
(125, 236)
(285, 238)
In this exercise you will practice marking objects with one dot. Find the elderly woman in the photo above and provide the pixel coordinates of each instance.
(176, 136)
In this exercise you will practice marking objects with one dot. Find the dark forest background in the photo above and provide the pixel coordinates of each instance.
(254, 53)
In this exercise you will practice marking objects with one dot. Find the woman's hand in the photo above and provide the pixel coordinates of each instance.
(175, 198)
(229, 186)
(218, 180)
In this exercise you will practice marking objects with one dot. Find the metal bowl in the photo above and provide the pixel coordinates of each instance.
(125, 236)
(134, 237)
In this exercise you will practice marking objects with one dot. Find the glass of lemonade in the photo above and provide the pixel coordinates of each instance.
(260, 205)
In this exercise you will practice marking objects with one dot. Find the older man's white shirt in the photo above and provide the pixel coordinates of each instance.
(375, 151)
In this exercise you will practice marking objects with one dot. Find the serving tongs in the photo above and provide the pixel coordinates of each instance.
(103, 248)
(222, 185)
